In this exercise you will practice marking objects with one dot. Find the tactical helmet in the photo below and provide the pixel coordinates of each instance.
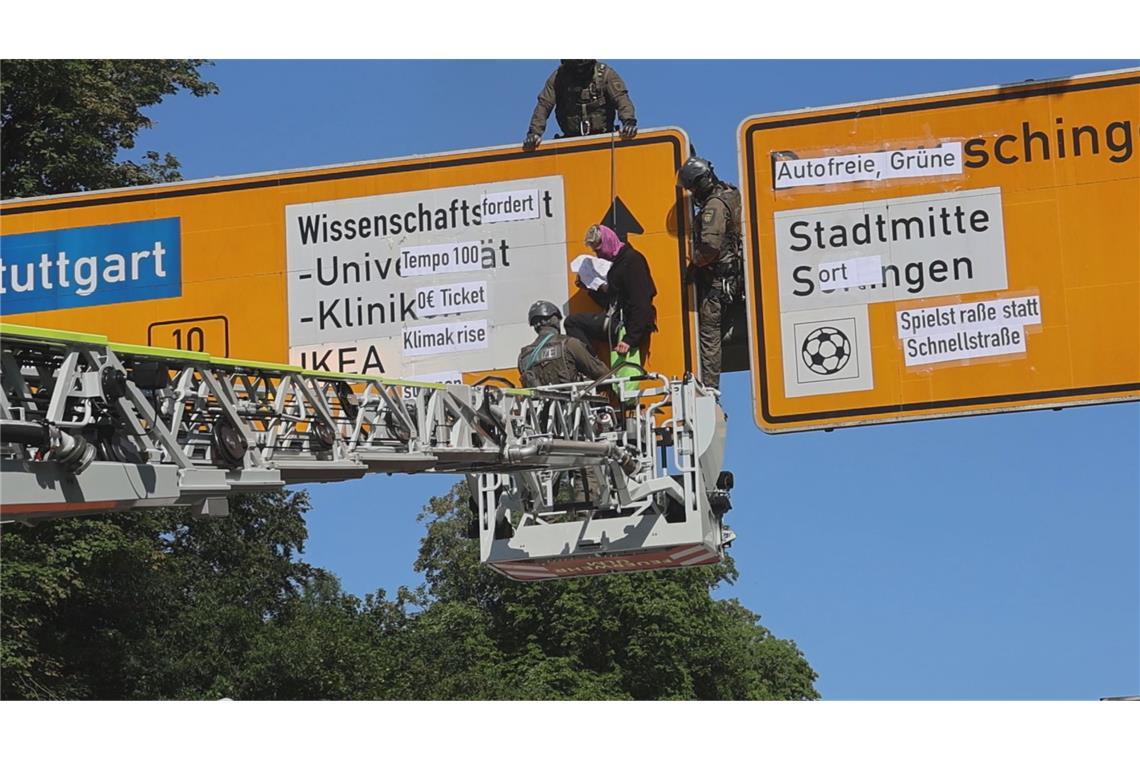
(693, 174)
(580, 65)
(541, 312)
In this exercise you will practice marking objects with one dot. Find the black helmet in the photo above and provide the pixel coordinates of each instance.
(695, 174)
(541, 312)
(579, 65)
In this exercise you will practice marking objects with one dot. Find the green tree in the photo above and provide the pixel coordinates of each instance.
(153, 605)
(148, 604)
(637, 636)
(63, 122)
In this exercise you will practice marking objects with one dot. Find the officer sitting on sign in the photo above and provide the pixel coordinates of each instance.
(584, 95)
(717, 258)
(553, 358)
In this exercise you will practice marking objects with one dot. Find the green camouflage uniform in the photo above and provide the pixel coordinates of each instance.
(582, 106)
(552, 358)
(718, 257)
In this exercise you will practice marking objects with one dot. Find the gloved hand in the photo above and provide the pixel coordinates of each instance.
(531, 142)
(629, 129)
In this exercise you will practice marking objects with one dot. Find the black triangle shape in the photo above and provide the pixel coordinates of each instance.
(621, 220)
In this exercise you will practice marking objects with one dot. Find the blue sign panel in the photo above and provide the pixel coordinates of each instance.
(89, 266)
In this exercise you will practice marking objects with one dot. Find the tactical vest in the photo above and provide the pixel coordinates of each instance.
(581, 107)
(729, 268)
(546, 362)
(729, 197)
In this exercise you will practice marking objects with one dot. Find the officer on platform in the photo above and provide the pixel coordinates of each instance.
(584, 95)
(553, 358)
(717, 258)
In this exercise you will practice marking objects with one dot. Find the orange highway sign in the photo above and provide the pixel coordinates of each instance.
(942, 255)
(418, 268)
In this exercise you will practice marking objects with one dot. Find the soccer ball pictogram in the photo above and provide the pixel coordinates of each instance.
(826, 350)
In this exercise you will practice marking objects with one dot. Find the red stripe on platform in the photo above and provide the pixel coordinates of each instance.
(27, 510)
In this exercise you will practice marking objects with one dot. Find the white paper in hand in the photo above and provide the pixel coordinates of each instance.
(591, 270)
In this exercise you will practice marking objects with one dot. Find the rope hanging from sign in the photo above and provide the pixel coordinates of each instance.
(613, 175)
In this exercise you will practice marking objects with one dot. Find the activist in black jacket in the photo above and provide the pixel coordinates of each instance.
(629, 286)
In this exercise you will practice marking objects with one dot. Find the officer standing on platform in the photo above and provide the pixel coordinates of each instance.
(717, 258)
(553, 358)
(584, 95)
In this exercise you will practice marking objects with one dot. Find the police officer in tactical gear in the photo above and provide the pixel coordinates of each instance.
(717, 265)
(553, 358)
(585, 95)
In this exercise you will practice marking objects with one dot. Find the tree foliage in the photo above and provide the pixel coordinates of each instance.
(146, 604)
(633, 636)
(152, 605)
(63, 122)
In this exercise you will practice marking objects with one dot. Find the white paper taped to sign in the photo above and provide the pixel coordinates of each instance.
(440, 258)
(851, 273)
(966, 330)
(946, 159)
(452, 299)
(928, 245)
(511, 206)
(385, 271)
(445, 338)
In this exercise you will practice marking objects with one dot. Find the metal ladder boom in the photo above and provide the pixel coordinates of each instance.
(88, 425)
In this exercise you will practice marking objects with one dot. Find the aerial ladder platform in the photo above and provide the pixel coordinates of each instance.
(619, 475)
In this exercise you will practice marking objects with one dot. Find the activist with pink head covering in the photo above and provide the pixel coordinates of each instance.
(629, 288)
(604, 241)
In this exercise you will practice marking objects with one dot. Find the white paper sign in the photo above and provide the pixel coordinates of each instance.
(440, 258)
(511, 206)
(454, 298)
(966, 330)
(591, 270)
(445, 338)
(850, 273)
(1023, 310)
(946, 159)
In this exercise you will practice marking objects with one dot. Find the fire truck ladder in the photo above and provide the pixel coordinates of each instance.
(579, 479)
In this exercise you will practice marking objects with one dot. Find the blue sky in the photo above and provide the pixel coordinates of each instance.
(982, 558)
